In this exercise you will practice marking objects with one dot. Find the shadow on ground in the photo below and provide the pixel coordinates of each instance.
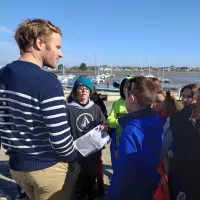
(10, 188)
(106, 172)
(109, 167)
(6, 183)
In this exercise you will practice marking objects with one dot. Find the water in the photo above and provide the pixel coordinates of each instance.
(179, 79)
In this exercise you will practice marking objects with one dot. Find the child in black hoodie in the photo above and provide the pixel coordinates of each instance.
(84, 115)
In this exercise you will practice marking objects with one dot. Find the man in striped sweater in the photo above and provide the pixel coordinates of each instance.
(35, 130)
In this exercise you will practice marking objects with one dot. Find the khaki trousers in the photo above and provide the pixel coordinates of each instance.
(53, 183)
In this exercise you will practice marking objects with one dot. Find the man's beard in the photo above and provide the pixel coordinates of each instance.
(47, 63)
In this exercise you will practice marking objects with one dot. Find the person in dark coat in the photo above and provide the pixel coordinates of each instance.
(99, 100)
(185, 168)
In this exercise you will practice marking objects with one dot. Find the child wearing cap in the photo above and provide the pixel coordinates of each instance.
(84, 115)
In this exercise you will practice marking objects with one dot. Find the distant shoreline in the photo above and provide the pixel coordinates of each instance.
(133, 72)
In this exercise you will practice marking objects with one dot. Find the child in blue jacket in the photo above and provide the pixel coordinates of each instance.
(136, 174)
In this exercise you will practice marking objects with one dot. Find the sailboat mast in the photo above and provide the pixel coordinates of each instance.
(111, 68)
(163, 73)
(149, 63)
(99, 65)
(141, 63)
(102, 62)
(95, 63)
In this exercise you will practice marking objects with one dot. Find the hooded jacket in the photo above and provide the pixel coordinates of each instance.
(118, 110)
(82, 119)
(136, 174)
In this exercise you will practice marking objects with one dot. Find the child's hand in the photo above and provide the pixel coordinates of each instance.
(104, 128)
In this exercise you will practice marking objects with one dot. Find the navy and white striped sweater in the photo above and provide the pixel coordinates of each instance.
(35, 130)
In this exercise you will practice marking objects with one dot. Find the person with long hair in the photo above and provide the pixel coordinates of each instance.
(165, 103)
(166, 106)
(185, 178)
(188, 94)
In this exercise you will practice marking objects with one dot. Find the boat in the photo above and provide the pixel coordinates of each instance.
(164, 80)
(116, 84)
(97, 79)
(148, 75)
(111, 71)
(105, 76)
(64, 80)
(70, 76)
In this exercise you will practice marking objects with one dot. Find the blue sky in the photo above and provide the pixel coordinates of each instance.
(119, 31)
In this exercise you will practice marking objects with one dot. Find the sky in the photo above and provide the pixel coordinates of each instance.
(121, 32)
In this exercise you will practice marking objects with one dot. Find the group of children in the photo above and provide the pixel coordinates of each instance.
(140, 126)
(146, 140)
(137, 139)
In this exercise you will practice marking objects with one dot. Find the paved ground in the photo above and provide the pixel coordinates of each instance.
(9, 186)
(6, 182)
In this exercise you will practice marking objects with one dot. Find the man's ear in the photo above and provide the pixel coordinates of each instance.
(39, 42)
(132, 98)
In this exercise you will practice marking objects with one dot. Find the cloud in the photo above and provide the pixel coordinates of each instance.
(4, 29)
(8, 52)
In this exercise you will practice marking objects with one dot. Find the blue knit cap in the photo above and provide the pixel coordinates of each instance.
(83, 81)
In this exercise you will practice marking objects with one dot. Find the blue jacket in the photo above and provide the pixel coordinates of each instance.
(136, 174)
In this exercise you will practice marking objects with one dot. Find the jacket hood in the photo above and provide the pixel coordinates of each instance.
(150, 120)
(77, 105)
(122, 85)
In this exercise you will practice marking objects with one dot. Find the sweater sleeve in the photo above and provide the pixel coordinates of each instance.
(53, 107)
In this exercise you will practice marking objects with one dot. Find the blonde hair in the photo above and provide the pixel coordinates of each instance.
(172, 106)
(27, 33)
